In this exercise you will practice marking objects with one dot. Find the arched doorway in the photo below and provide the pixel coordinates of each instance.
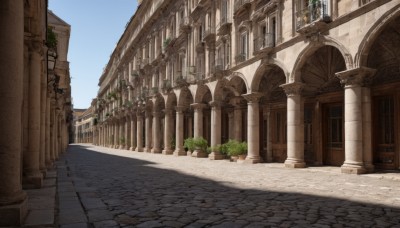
(323, 107)
(384, 57)
(273, 111)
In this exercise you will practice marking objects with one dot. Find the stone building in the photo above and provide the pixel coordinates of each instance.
(84, 122)
(34, 103)
(303, 82)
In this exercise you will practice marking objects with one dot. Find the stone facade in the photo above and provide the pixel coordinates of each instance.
(35, 101)
(303, 82)
(84, 121)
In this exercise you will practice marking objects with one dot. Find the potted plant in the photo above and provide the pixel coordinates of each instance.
(236, 149)
(200, 147)
(189, 145)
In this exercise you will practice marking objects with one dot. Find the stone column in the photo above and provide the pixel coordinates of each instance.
(32, 175)
(253, 128)
(133, 133)
(139, 130)
(215, 129)
(121, 134)
(367, 129)
(198, 119)
(198, 126)
(156, 133)
(148, 132)
(48, 129)
(353, 119)
(237, 115)
(116, 134)
(127, 131)
(13, 206)
(43, 104)
(167, 131)
(231, 125)
(295, 125)
(52, 131)
(179, 151)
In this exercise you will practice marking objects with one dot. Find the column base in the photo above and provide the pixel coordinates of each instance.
(147, 150)
(179, 152)
(249, 160)
(293, 164)
(33, 181)
(199, 154)
(353, 169)
(216, 156)
(139, 149)
(13, 215)
(189, 153)
(132, 148)
(167, 152)
(155, 150)
(121, 147)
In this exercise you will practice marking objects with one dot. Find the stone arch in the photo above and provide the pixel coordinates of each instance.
(159, 103)
(171, 101)
(185, 97)
(263, 69)
(309, 51)
(318, 71)
(235, 80)
(361, 57)
(203, 94)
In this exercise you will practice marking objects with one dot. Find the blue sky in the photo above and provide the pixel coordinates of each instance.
(96, 26)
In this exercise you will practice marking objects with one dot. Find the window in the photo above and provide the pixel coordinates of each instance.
(244, 45)
(336, 126)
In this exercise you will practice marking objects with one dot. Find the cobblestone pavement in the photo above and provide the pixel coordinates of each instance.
(120, 188)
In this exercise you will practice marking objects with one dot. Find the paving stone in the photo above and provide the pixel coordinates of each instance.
(76, 225)
(151, 190)
(99, 215)
(40, 218)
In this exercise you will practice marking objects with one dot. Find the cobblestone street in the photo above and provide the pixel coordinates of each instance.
(120, 188)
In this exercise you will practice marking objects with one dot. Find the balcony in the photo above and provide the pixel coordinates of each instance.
(218, 66)
(166, 86)
(224, 26)
(264, 44)
(154, 91)
(240, 57)
(184, 25)
(241, 5)
(180, 80)
(312, 19)
(209, 34)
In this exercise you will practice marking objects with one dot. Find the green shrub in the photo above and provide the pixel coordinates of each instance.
(200, 143)
(235, 148)
(188, 144)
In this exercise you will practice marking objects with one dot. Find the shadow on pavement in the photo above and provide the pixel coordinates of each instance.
(144, 196)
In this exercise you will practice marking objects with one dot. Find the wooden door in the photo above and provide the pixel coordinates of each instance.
(385, 156)
(333, 135)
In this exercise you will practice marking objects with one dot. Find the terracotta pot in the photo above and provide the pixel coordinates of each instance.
(242, 157)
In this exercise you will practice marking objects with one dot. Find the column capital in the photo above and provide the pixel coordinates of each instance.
(215, 104)
(236, 101)
(198, 106)
(157, 114)
(252, 97)
(180, 109)
(356, 77)
(168, 111)
(293, 88)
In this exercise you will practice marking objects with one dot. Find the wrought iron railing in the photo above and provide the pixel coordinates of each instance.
(316, 11)
(208, 31)
(239, 3)
(265, 41)
(240, 57)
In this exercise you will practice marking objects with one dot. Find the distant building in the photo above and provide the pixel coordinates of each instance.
(303, 82)
(84, 120)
